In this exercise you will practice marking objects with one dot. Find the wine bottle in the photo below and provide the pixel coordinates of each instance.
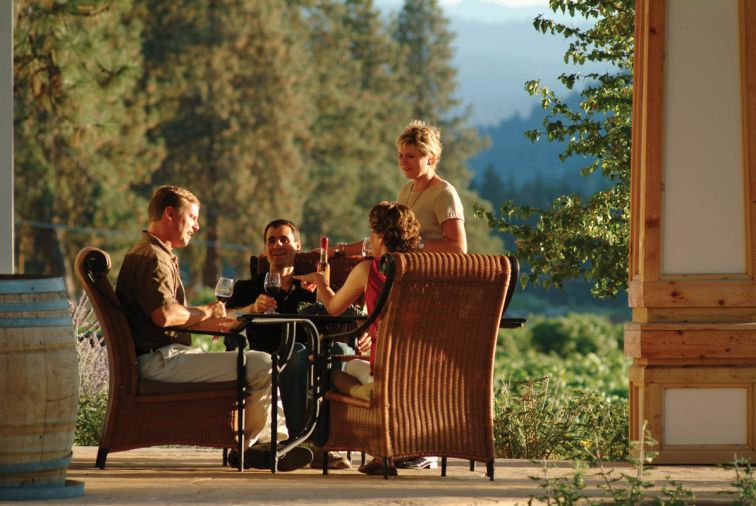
(323, 265)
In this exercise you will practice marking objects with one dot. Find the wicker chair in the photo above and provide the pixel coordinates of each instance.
(144, 412)
(433, 373)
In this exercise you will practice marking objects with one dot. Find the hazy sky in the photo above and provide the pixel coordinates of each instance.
(497, 50)
(487, 11)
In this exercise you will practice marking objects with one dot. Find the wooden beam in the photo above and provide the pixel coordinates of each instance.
(6, 137)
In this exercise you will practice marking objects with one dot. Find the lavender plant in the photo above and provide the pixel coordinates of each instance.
(93, 371)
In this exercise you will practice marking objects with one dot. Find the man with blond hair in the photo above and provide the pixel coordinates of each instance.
(150, 289)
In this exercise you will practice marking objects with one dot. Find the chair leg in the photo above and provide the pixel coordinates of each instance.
(385, 468)
(102, 455)
(443, 466)
(225, 457)
(362, 458)
(325, 461)
(472, 465)
(490, 469)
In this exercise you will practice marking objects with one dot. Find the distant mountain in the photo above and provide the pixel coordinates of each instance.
(495, 60)
(513, 158)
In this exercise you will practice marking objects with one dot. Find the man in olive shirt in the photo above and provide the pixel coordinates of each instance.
(150, 289)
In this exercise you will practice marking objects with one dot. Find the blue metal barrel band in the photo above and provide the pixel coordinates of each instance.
(35, 322)
(39, 465)
(34, 285)
(39, 305)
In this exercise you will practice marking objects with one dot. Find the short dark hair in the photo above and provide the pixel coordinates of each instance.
(280, 222)
(397, 224)
(169, 196)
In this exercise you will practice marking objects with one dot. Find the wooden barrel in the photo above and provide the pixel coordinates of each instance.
(39, 388)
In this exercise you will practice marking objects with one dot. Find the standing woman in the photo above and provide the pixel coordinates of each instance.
(433, 200)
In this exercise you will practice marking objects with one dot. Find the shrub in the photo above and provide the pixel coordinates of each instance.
(575, 333)
(541, 419)
(93, 372)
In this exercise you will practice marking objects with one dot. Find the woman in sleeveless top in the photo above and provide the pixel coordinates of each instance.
(393, 228)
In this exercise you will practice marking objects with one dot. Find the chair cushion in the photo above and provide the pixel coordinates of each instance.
(152, 387)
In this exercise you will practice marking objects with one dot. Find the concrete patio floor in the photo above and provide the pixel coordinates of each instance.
(195, 476)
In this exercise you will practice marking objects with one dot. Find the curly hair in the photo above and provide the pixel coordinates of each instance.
(397, 224)
(425, 137)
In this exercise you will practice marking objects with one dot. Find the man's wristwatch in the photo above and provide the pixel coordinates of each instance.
(341, 248)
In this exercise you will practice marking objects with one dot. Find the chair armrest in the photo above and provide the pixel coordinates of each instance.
(512, 323)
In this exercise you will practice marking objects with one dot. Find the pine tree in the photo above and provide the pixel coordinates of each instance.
(358, 111)
(80, 140)
(226, 83)
(429, 86)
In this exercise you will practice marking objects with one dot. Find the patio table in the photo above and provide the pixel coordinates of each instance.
(290, 323)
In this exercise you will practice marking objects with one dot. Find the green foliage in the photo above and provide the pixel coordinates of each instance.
(563, 491)
(541, 419)
(621, 488)
(262, 108)
(79, 126)
(582, 372)
(90, 419)
(576, 237)
(744, 484)
(575, 333)
(629, 488)
(93, 373)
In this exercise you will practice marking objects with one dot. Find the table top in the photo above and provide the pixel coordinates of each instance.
(315, 318)
(504, 323)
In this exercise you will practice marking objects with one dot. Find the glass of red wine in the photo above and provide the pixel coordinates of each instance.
(272, 287)
(224, 289)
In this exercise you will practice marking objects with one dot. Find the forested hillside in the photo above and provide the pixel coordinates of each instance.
(265, 109)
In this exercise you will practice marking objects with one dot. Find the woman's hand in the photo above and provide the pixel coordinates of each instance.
(363, 344)
(314, 278)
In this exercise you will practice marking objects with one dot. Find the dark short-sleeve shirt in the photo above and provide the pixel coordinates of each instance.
(267, 337)
(149, 279)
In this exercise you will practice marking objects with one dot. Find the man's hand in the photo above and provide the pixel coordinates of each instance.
(219, 325)
(265, 303)
(215, 309)
(363, 344)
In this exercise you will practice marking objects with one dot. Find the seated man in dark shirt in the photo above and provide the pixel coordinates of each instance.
(282, 242)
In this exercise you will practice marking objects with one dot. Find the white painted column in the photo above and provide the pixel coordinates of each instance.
(6, 137)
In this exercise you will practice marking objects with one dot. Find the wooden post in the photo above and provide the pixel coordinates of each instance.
(692, 285)
(6, 137)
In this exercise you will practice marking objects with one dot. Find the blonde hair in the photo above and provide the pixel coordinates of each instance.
(425, 137)
(169, 196)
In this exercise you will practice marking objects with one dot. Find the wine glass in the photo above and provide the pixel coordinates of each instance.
(224, 289)
(272, 287)
(367, 248)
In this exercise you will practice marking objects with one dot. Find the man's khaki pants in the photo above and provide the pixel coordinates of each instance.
(177, 363)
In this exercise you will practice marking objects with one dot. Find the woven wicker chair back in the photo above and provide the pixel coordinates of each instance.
(92, 266)
(433, 373)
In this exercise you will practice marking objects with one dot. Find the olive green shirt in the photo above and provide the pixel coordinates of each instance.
(149, 279)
